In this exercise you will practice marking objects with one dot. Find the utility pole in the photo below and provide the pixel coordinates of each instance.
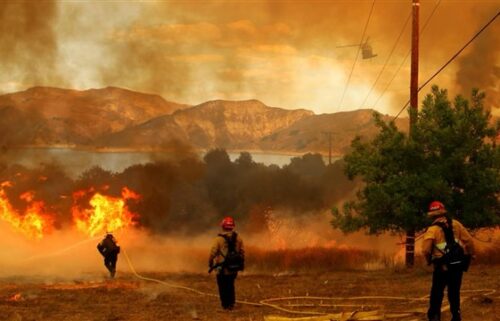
(414, 64)
(410, 234)
(329, 135)
(329, 148)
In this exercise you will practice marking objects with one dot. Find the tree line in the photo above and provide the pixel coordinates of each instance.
(190, 194)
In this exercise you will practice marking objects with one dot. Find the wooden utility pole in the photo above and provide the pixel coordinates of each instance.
(329, 148)
(410, 234)
(414, 64)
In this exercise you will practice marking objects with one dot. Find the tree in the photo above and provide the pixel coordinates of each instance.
(451, 156)
(308, 165)
(221, 181)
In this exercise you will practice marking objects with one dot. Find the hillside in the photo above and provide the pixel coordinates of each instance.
(115, 118)
(312, 133)
(249, 125)
(78, 117)
(219, 123)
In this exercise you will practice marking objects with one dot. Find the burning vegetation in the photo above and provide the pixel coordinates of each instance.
(33, 221)
(106, 213)
(184, 196)
(174, 206)
(92, 212)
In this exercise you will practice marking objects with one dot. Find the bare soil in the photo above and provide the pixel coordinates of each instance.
(95, 298)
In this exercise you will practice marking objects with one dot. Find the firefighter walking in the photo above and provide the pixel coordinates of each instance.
(227, 258)
(448, 246)
(109, 249)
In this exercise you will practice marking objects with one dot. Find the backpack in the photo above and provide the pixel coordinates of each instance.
(108, 246)
(453, 254)
(233, 261)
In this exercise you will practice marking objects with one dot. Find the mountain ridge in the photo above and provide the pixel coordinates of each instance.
(113, 118)
(76, 117)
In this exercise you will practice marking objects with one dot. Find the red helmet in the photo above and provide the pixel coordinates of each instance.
(436, 208)
(227, 223)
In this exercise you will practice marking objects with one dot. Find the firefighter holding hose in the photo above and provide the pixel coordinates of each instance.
(109, 249)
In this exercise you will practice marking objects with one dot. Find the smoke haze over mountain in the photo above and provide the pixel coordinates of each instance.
(283, 53)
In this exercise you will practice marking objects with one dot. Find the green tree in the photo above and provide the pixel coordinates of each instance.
(450, 156)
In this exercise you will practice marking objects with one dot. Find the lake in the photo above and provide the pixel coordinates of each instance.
(76, 161)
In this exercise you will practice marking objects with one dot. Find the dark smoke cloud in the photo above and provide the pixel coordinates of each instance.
(480, 67)
(283, 53)
(188, 195)
(317, 28)
(144, 66)
(28, 45)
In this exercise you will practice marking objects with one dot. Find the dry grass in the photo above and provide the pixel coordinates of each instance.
(490, 254)
(311, 259)
(127, 298)
(324, 259)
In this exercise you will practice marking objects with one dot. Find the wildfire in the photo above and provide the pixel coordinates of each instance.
(15, 298)
(34, 222)
(106, 213)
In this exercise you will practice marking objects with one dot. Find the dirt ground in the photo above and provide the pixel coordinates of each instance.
(94, 298)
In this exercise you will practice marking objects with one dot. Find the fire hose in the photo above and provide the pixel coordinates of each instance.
(272, 303)
(373, 315)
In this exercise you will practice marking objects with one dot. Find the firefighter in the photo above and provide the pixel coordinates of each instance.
(109, 249)
(445, 274)
(227, 257)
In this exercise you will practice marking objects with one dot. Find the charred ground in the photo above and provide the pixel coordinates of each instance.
(126, 298)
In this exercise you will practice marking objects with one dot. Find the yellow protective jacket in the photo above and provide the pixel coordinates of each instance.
(435, 241)
(219, 251)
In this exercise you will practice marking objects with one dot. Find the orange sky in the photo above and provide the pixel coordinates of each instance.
(283, 53)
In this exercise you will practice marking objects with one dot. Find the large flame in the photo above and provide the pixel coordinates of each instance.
(34, 222)
(106, 213)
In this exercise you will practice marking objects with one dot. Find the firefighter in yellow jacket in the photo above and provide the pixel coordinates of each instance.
(227, 257)
(446, 273)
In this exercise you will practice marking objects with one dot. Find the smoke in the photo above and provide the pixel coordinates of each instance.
(283, 53)
(28, 46)
(182, 194)
(178, 215)
(183, 199)
(145, 66)
(297, 39)
(480, 67)
(68, 254)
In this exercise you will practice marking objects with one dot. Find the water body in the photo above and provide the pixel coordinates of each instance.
(76, 161)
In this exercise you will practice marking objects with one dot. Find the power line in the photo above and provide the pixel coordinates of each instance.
(387, 60)
(451, 59)
(357, 54)
(407, 54)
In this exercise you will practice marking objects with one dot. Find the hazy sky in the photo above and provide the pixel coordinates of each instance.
(283, 53)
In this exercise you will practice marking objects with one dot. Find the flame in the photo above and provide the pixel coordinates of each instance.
(106, 213)
(15, 298)
(34, 222)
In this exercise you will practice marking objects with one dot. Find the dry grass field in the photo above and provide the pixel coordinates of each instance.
(93, 298)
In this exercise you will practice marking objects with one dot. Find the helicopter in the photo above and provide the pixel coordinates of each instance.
(366, 49)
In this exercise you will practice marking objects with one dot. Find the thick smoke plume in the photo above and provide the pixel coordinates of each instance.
(182, 202)
(187, 195)
(480, 67)
(28, 46)
(283, 53)
(279, 212)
